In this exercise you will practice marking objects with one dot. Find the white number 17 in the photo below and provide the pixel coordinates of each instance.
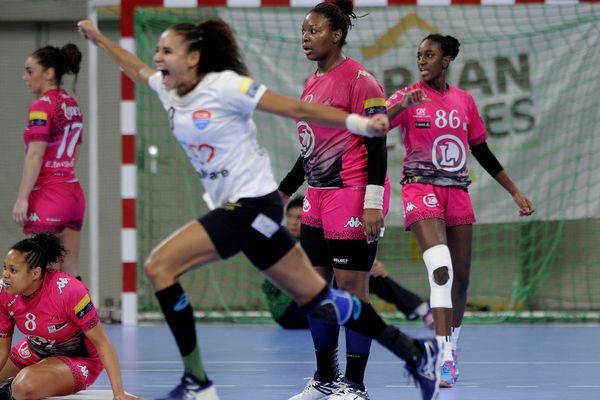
(74, 128)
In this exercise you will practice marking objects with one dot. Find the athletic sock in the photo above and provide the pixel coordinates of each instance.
(180, 318)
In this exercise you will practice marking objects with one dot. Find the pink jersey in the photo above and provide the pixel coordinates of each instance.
(437, 135)
(336, 157)
(55, 118)
(53, 319)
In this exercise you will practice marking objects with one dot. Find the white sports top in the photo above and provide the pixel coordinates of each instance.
(213, 123)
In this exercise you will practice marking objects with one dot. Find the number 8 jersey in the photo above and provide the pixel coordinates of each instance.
(437, 135)
(55, 118)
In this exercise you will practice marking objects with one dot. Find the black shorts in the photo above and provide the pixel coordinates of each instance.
(252, 226)
(352, 255)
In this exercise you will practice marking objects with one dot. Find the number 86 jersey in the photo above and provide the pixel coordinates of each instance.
(437, 135)
(55, 118)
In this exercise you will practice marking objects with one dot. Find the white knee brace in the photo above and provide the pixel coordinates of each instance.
(437, 257)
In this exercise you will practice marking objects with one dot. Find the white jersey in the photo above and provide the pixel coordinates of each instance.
(213, 123)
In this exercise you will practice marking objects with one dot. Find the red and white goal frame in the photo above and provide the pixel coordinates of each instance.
(129, 256)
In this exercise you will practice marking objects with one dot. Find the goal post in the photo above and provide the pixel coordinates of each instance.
(518, 59)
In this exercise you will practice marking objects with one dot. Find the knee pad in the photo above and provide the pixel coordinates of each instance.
(335, 307)
(439, 269)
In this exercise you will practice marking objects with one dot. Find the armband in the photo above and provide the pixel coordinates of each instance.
(486, 159)
(374, 197)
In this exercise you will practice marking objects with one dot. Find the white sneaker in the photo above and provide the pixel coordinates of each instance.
(350, 392)
(319, 390)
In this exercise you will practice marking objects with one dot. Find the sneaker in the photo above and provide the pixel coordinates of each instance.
(320, 390)
(350, 392)
(447, 374)
(425, 370)
(428, 320)
(191, 389)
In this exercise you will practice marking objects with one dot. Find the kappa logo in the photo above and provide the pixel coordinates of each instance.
(410, 207)
(33, 217)
(353, 222)
(61, 283)
(84, 370)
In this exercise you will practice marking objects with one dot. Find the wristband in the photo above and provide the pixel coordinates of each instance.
(358, 125)
(374, 197)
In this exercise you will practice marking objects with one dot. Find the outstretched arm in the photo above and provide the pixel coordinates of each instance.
(129, 62)
(109, 358)
(323, 115)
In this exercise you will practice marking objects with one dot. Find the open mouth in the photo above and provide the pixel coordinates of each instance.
(165, 74)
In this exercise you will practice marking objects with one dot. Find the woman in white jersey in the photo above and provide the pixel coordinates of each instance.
(204, 86)
(438, 121)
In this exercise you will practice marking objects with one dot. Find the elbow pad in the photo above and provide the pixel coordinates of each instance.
(486, 159)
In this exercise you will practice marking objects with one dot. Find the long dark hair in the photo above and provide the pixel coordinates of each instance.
(216, 42)
(41, 250)
(65, 60)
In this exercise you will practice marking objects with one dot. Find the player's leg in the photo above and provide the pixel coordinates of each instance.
(186, 248)
(48, 377)
(294, 275)
(459, 220)
(71, 241)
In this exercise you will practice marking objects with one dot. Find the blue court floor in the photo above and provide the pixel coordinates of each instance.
(497, 362)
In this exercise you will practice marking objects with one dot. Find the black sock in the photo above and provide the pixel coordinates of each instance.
(327, 365)
(356, 364)
(180, 318)
(400, 344)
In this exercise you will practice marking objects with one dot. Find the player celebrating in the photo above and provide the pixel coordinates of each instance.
(348, 193)
(50, 198)
(438, 122)
(65, 346)
(204, 86)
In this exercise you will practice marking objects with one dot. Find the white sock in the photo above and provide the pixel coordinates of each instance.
(455, 335)
(446, 343)
(422, 309)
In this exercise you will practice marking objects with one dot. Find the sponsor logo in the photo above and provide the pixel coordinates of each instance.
(353, 222)
(24, 350)
(421, 112)
(201, 118)
(362, 72)
(212, 175)
(422, 124)
(57, 327)
(410, 207)
(60, 164)
(61, 283)
(430, 200)
(37, 118)
(340, 261)
(33, 217)
(84, 370)
(448, 153)
(305, 205)
(182, 303)
(70, 111)
(307, 138)
(202, 153)
(309, 98)
(46, 99)
(10, 303)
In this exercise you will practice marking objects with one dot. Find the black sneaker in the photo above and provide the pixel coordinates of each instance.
(191, 389)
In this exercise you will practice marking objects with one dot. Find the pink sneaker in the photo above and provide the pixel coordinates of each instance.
(455, 358)
(447, 375)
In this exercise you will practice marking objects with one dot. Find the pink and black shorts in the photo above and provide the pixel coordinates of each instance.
(424, 201)
(53, 208)
(85, 370)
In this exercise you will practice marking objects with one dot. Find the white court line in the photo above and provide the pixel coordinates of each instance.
(521, 386)
(584, 386)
